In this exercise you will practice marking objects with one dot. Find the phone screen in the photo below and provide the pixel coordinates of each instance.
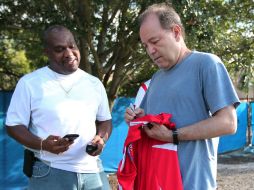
(71, 137)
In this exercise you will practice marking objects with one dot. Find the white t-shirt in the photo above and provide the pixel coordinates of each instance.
(42, 103)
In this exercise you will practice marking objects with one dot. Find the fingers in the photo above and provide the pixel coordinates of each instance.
(61, 149)
(139, 112)
(100, 145)
(98, 150)
(56, 144)
(131, 114)
(97, 139)
(53, 138)
(159, 132)
(149, 131)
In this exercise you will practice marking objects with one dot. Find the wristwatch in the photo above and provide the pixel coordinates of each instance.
(175, 136)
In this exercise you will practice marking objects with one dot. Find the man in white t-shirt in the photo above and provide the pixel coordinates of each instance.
(54, 101)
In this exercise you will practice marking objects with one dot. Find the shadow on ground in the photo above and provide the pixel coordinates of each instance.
(240, 156)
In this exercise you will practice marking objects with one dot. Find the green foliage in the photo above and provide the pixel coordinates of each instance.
(144, 73)
(14, 64)
(107, 34)
(225, 28)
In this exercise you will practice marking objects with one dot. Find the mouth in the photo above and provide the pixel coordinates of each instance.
(157, 58)
(71, 61)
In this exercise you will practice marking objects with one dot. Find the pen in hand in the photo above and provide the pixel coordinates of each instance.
(132, 109)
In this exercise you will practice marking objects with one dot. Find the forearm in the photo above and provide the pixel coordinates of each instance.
(222, 123)
(104, 129)
(21, 134)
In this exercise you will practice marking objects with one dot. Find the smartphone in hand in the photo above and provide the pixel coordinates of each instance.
(149, 125)
(91, 148)
(71, 137)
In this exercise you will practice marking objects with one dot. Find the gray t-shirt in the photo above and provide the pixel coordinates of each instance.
(192, 91)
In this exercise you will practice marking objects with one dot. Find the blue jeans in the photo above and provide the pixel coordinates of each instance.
(47, 178)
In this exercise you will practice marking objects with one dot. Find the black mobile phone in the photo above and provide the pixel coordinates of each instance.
(149, 125)
(91, 148)
(71, 137)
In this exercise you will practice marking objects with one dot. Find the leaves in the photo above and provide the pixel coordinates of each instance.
(107, 34)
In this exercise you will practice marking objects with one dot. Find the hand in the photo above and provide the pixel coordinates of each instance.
(159, 132)
(97, 140)
(56, 144)
(131, 114)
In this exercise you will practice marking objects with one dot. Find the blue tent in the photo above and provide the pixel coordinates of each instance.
(112, 154)
(252, 121)
(237, 140)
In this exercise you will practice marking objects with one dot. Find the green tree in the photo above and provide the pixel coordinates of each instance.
(107, 34)
(225, 28)
(14, 63)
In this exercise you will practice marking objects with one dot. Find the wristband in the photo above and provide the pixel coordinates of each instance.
(175, 136)
(41, 148)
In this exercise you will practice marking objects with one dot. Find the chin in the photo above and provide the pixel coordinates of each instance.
(161, 66)
(70, 69)
(73, 66)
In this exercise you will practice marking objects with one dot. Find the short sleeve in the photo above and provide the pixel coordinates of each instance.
(217, 86)
(103, 113)
(19, 110)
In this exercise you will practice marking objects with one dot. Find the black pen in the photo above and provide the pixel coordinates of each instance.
(132, 109)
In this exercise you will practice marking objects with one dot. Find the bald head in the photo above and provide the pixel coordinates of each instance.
(54, 31)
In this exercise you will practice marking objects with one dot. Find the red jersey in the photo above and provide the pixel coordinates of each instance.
(149, 164)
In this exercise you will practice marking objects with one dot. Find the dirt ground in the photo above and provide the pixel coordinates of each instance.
(235, 171)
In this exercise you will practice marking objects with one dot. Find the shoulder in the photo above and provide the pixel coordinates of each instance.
(205, 57)
(88, 77)
(205, 61)
(34, 75)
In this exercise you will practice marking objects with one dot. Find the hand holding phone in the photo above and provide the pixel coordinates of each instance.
(71, 137)
(91, 148)
(149, 125)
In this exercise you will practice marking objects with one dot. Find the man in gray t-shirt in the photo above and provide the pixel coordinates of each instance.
(195, 88)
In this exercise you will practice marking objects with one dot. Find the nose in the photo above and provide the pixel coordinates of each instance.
(150, 49)
(68, 52)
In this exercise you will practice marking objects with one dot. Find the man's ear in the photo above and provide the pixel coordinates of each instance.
(177, 32)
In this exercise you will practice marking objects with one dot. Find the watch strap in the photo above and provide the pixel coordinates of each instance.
(175, 136)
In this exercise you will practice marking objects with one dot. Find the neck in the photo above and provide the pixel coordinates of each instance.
(183, 54)
(57, 70)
